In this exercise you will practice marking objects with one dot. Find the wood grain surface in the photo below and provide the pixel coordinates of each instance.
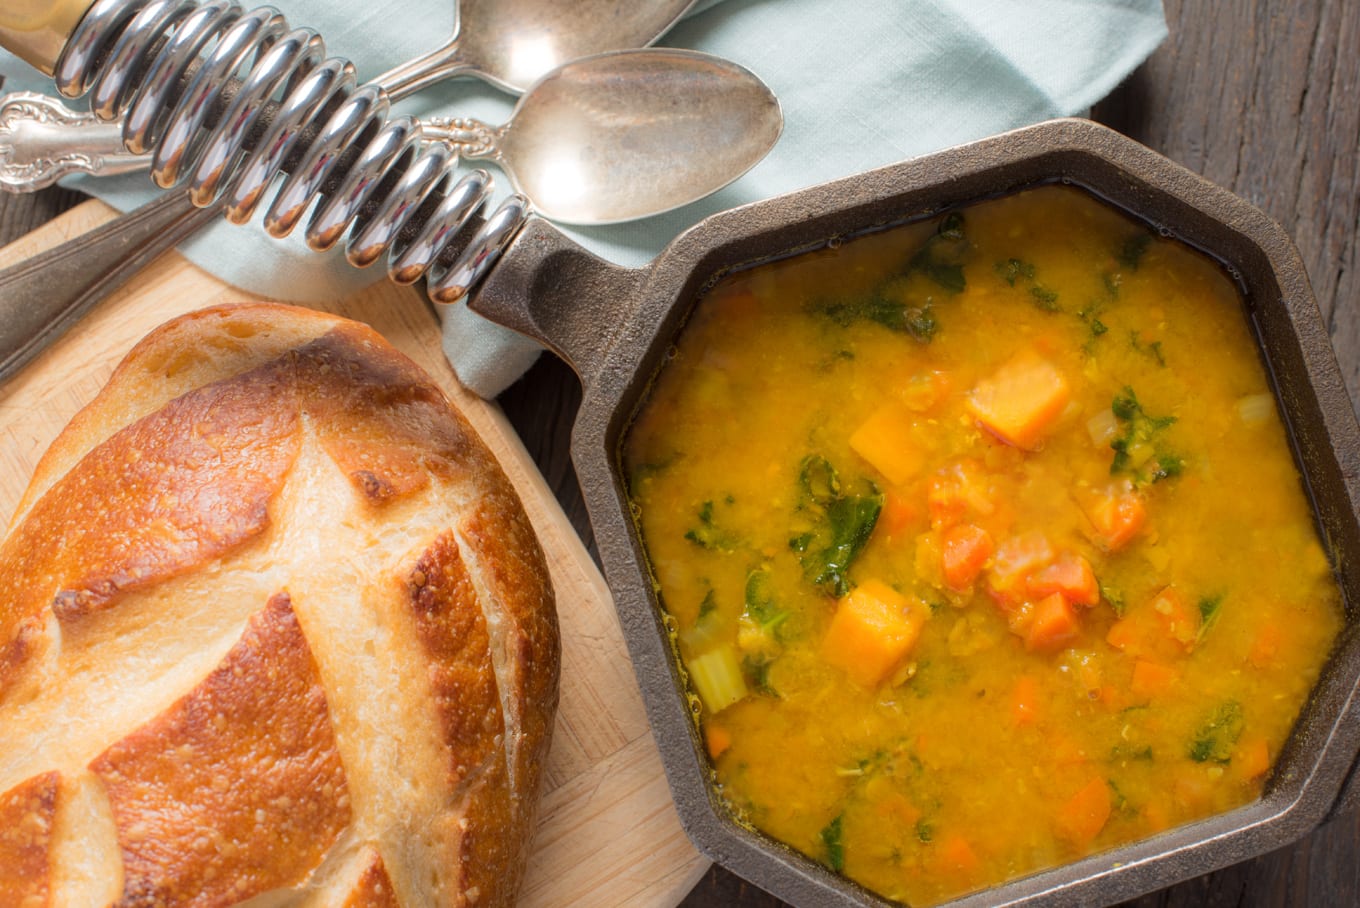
(608, 834)
(1261, 96)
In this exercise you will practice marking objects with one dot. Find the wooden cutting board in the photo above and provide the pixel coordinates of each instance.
(608, 833)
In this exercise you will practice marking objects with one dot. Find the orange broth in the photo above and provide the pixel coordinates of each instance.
(983, 544)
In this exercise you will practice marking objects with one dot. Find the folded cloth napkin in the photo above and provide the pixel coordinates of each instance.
(861, 85)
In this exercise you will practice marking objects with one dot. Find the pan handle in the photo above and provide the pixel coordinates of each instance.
(548, 288)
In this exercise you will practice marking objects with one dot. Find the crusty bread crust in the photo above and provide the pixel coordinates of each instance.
(272, 620)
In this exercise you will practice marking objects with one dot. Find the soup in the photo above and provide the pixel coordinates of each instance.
(982, 543)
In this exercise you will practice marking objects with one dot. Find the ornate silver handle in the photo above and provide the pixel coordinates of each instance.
(43, 140)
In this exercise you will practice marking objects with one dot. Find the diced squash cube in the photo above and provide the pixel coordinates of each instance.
(1081, 818)
(1020, 400)
(885, 441)
(1152, 679)
(1053, 622)
(872, 631)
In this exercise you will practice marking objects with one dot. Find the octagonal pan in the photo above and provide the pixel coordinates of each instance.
(615, 327)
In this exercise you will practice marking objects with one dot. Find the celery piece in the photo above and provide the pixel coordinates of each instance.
(717, 677)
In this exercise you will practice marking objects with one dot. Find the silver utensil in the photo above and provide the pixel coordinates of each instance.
(511, 43)
(598, 140)
(508, 43)
(43, 140)
(505, 41)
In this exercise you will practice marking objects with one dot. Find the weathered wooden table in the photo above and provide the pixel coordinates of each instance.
(1260, 96)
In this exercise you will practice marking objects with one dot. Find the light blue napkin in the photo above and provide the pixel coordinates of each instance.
(861, 84)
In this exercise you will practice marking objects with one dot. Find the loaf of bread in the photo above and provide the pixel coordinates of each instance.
(273, 628)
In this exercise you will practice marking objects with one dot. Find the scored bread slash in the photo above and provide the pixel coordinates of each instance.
(350, 736)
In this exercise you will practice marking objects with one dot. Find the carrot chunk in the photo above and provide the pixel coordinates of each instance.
(1053, 622)
(898, 515)
(1251, 757)
(1165, 628)
(957, 856)
(1081, 818)
(1127, 635)
(957, 492)
(1071, 575)
(1116, 514)
(1266, 646)
(1152, 679)
(1180, 618)
(964, 551)
(885, 441)
(1015, 559)
(1019, 401)
(1025, 700)
(717, 738)
(872, 631)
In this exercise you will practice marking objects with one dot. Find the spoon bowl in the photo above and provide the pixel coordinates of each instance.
(511, 43)
(604, 139)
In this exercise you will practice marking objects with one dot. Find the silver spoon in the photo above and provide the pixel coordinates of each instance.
(645, 115)
(512, 43)
(509, 43)
(618, 137)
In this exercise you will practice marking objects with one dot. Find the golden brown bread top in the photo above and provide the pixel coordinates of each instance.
(272, 620)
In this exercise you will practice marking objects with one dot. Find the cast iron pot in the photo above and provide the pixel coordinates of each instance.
(615, 326)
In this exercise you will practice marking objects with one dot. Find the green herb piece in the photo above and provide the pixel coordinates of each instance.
(709, 605)
(851, 520)
(831, 842)
(925, 832)
(1045, 299)
(1137, 449)
(757, 671)
(819, 479)
(951, 228)
(1114, 597)
(882, 309)
(1098, 327)
(1131, 252)
(762, 614)
(704, 535)
(842, 525)
(1214, 741)
(1153, 350)
(1117, 800)
(939, 259)
(760, 630)
(1123, 752)
(1013, 270)
(948, 275)
(1209, 607)
(918, 321)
